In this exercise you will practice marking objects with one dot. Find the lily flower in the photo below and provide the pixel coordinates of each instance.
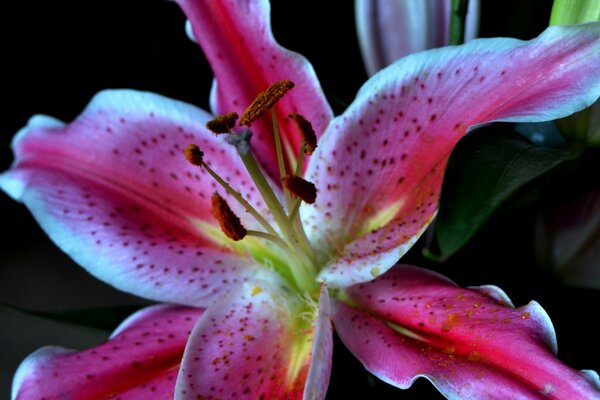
(391, 29)
(271, 243)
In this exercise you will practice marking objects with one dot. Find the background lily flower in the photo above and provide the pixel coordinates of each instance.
(113, 190)
(567, 237)
(391, 29)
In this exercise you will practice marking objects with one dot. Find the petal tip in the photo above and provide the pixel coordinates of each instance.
(13, 184)
(495, 293)
(541, 317)
(592, 377)
(30, 363)
(189, 31)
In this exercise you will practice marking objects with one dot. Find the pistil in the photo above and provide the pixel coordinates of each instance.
(293, 241)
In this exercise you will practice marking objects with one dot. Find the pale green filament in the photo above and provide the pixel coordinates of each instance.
(240, 199)
(280, 160)
(294, 211)
(292, 206)
(296, 207)
(265, 190)
(278, 150)
(302, 276)
(273, 238)
(299, 256)
(306, 268)
(298, 171)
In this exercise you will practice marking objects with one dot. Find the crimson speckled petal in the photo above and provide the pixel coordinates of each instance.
(470, 343)
(237, 40)
(378, 168)
(250, 345)
(139, 361)
(114, 191)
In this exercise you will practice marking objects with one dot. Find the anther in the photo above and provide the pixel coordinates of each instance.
(230, 223)
(194, 155)
(264, 101)
(222, 123)
(303, 189)
(306, 132)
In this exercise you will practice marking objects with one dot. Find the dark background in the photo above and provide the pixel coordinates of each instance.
(57, 55)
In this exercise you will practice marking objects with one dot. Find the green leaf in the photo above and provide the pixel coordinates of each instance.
(486, 168)
(103, 318)
(567, 12)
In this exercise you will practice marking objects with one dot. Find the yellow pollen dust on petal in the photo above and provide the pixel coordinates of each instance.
(381, 217)
(264, 101)
(474, 356)
(230, 223)
(256, 290)
(223, 123)
(309, 137)
(375, 272)
(450, 322)
(301, 188)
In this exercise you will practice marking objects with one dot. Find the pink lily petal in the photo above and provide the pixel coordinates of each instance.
(319, 371)
(115, 192)
(139, 361)
(378, 169)
(470, 343)
(391, 29)
(237, 40)
(254, 345)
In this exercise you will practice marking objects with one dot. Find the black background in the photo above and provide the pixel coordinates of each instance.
(57, 55)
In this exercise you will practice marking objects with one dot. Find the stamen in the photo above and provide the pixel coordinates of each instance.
(194, 155)
(306, 132)
(282, 220)
(294, 211)
(300, 188)
(264, 101)
(279, 152)
(230, 224)
(267, 236)
(223, 123)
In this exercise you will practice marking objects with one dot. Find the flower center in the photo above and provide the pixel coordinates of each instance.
(295, 256)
